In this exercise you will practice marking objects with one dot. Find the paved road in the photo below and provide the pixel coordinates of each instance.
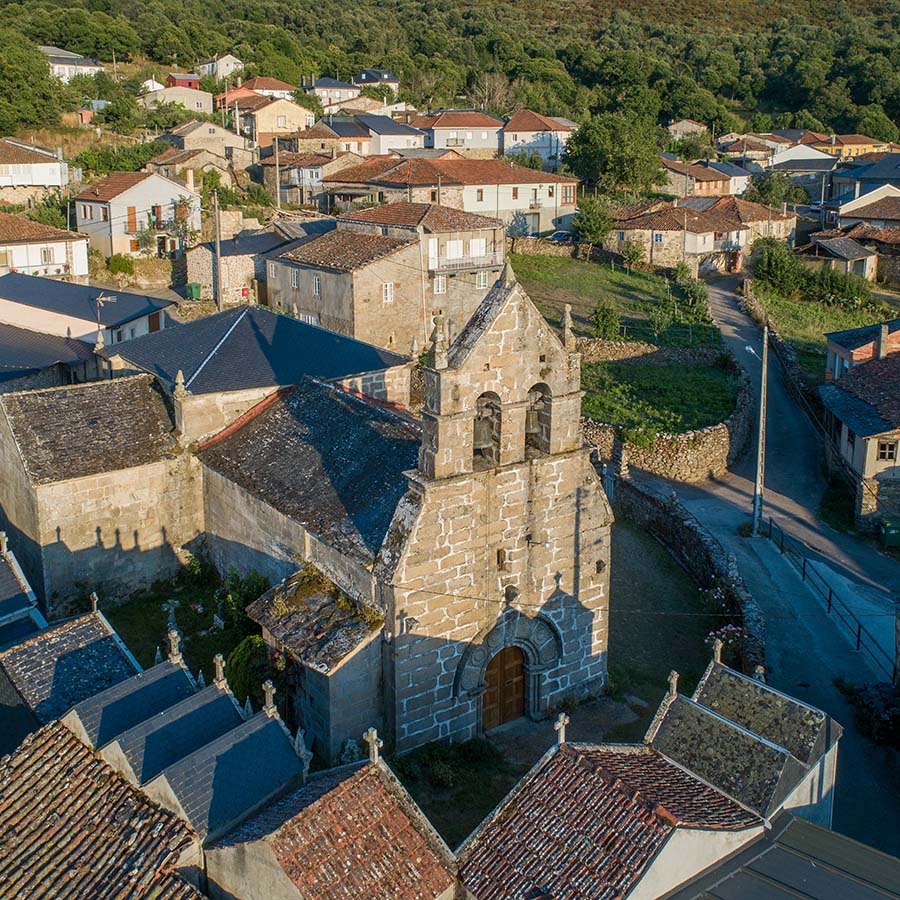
(805, 649)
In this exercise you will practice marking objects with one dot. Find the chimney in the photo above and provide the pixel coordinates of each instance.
(4, 546)
(59, 153)
(881, 344)
(303, 81)
(189, 179)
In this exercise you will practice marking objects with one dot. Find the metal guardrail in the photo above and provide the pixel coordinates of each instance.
(793, 550)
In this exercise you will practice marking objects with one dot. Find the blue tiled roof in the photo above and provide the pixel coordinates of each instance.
(386, 125)
(23, 352)
(124, 705)
(77, 300)
(184, 728)
(249, 347)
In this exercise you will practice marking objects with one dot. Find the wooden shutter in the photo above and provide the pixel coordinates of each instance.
(157, 216)
(153, 322)
(135, 247)
(132, 220)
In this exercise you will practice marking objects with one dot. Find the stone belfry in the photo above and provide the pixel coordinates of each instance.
(496, 570)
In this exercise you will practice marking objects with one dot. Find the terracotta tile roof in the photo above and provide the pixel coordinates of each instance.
(71, 827)
(633, 210)
(745, 145)
(65, 664)
(262, 83)
(16, 153)
(252, 102)
(885, 208)
(526, 120)
(840, 140)
(19, 230)
(496, 171)
(586, 822)
(364, 172)
(671, 219)
(112, 186)
(864, 232)
(698, 173)
(344, 251)
(287, 160)
(743, 212)
(352, 834)
(876, 383)
(85, 429)
(430, 216)
(174, 156)
(456, 119)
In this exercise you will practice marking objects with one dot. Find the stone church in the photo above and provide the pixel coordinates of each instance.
(437, 574)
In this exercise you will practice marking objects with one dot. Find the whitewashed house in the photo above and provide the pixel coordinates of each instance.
(114, 212)
(461, 129)
(530, 132)
(27, 171)
(65, 65)
(36, 249)
(330, 90)
(220, 67)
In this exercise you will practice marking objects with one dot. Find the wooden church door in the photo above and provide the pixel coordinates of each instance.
(504, 695)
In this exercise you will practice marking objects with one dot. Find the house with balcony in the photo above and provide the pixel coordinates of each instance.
(37, 249)
(65, 65)
(469, 131)
(28, 172)
(527, 201)
(529, 132)
(386, 272)
(128, 208)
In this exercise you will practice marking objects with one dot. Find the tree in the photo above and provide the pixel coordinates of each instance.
(529, 159)
(592, 222)
(123, 114)
(28, 96)
(633, 254)
(605, 320)
(775, 265)
(775, 188)
(383, 92)
(660, 319)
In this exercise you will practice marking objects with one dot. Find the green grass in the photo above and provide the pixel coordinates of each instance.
(658, 621)
(553, 281)
(836, 506)
(650, 399)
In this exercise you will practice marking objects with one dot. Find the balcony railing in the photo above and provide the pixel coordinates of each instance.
(535, 204)
(488, 261)
(455, 142)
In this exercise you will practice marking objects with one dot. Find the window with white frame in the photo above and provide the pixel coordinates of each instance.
(454, 249)
(568, 193)
(295, 278)
(317, 286)
(271, 270)
(46, 256)
(477, 247)
(282, 121)
(440, 284)
(309, 318)
(887, 450)
(387, 292)
(481, 279)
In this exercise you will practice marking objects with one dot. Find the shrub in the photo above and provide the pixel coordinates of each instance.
(605, 320)
(633, 254)
(120, 264)
(247, 669)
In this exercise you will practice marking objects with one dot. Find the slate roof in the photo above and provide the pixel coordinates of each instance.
(231, 776)
(586, 822)
(885, 208)
(112, 186)
(24, 352)
(854, 338)
(345, 251)
(77, 300)
(247, 347)
(14, 594)
(21, 230)
(318, 627)
(431, 217)
(65, 664)
(885, 169)
(867, 398)
(107, 714)
(375, 76)
(71, 828)
(844, 248)
(160, 740)
(806, 732)
(84, 429)
(16, 153)
(349, 128)
(727, 168)
(327, 82)
(806, 165)
(527, 120)
(353, 834)
(385, 125)
(796, 858)
(753, 771)
(329, 460)
(248, 244)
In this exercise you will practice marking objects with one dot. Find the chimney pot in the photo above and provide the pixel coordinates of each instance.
(4, 545)
(189, 179)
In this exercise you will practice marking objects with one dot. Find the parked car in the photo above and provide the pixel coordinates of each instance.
(563, 237)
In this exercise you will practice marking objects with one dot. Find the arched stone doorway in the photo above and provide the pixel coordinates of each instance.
(504, 689)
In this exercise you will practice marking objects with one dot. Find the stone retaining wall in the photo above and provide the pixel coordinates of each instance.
(698, 551)
(689, 457)
(531, 246)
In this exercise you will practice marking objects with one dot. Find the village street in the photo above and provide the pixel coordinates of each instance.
(805, 649)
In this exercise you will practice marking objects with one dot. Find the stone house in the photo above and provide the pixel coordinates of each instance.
(113, 213)
(315, 138)
(28, 172)
(301, 173)
(220, 67)
(175, 164)
(37, 249)
(263, 118)
(205, 136)
(692, 180)
(32, 359)
(243, 262)
(863, 425)
(461, 596)
(387, 271)
(75, 310)
(330, 90)
(527, 201)
(747, 149)
(530, 132)
(840, 254)
(179, 95)
(683, 128)
(470, 132)
(711, 773)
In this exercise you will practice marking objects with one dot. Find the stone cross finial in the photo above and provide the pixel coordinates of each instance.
(375, 743)
(269, 705)
(174, 646)
(507, 276)
(180, 391)
(219, 662)
(414, 349)
(673, 684)
(439, 344)
(560, 725)
(568, 328)
(717, 650)
(759, 673)
(201, 681)
(95, 601)
(169, 608)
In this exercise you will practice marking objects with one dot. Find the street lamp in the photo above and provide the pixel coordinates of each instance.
(761, 431)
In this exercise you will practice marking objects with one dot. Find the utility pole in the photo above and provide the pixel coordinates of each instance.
(220, 303)
(759, 485)
(277, 177)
